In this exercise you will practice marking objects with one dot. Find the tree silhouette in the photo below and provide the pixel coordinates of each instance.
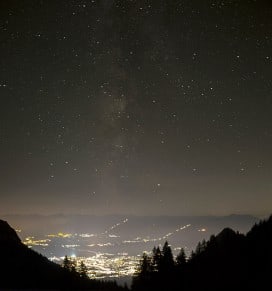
(167, 260)
(142, 280)
(83, 271)
(67, 263)
(181, 259)
(227, 261)
(201, 246)
(145, 268)
(156, 259)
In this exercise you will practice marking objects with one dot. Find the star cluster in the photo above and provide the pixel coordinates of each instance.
(136, 106)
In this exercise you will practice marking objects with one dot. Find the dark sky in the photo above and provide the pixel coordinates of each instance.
(143, 107)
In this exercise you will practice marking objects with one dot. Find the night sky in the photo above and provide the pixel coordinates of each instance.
(136, 107)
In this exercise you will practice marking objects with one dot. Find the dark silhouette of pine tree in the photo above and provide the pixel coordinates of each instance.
(143, 277)
(181, 259)
(201, 246)
(228, 261)
(156, 259)
(167, 260)
(67, 263)
(83, 271)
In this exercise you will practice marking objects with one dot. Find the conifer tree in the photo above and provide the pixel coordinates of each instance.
(83, 271)
(142, 280)
(67, 263)
(167, 261)
(181, 259)
(145, 268)
(156, 259)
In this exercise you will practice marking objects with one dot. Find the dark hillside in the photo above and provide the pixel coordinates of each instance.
(23, 268)
(227, 261)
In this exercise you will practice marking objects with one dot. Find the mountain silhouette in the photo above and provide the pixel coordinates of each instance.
(226, 234)
(234, 261)
(228, 261)
(23, 268)
(8, 234)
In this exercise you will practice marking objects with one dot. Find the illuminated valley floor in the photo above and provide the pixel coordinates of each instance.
(114, 246)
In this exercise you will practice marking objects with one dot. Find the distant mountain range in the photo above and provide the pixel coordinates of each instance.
(133, 226)
(123, 234)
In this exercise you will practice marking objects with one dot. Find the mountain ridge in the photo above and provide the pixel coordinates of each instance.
(23, 268)
(227, 261)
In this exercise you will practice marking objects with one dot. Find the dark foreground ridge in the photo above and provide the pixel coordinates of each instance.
(228, 261)
(23, 268)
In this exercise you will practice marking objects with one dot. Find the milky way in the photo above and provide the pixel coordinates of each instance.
(142, 107)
